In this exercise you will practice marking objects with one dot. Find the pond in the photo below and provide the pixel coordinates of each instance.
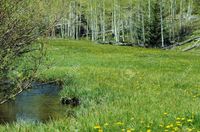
(41, 103)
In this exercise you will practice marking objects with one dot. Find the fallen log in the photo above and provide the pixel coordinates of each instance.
(182, 43)
(117, 43)
(192, 47)
(188, 41)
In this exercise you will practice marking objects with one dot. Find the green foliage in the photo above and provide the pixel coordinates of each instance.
(196, 7)
(154, 27)
(20, 27)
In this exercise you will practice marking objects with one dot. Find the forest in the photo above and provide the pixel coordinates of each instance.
(148, 23)
(100, 65)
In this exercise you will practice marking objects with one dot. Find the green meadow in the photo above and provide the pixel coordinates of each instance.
(121, 88)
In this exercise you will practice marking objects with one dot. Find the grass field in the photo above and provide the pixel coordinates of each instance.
(122, 88)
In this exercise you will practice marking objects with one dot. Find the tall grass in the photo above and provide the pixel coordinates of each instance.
(122, 88)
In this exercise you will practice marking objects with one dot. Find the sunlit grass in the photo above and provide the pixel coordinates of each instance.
(123, 88)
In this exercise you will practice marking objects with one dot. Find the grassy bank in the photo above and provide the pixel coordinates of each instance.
(122, 88)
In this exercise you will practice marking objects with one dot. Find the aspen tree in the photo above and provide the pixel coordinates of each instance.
(161, 21)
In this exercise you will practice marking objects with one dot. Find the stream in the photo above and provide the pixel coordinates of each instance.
(41, 103)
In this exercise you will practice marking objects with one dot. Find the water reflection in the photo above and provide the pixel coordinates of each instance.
(38, 104)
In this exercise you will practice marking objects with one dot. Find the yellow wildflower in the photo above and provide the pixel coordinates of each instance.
(189, 120)
(130, 130)
(120, 123)
(148, 130)
(182, 119)
(106, 124)
(100, 130)
(97, 127)
(165, 113)
(178, 124)
(189, 129)
(176, 129)
(178, 119)
(168, 126)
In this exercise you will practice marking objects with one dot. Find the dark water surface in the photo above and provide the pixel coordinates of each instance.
(38, 104)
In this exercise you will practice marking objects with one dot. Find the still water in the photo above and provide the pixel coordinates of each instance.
(41, 103)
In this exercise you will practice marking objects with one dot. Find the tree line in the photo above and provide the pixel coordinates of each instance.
(149, 23)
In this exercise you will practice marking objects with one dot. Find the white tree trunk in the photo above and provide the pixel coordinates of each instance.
(143, 30)
(161, 21)
(149, 6)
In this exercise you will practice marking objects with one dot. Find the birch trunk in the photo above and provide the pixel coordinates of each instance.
(104, 17)
(181, 14)
(143, 30)
(115, 21)
(149, 6)
(161, 21)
